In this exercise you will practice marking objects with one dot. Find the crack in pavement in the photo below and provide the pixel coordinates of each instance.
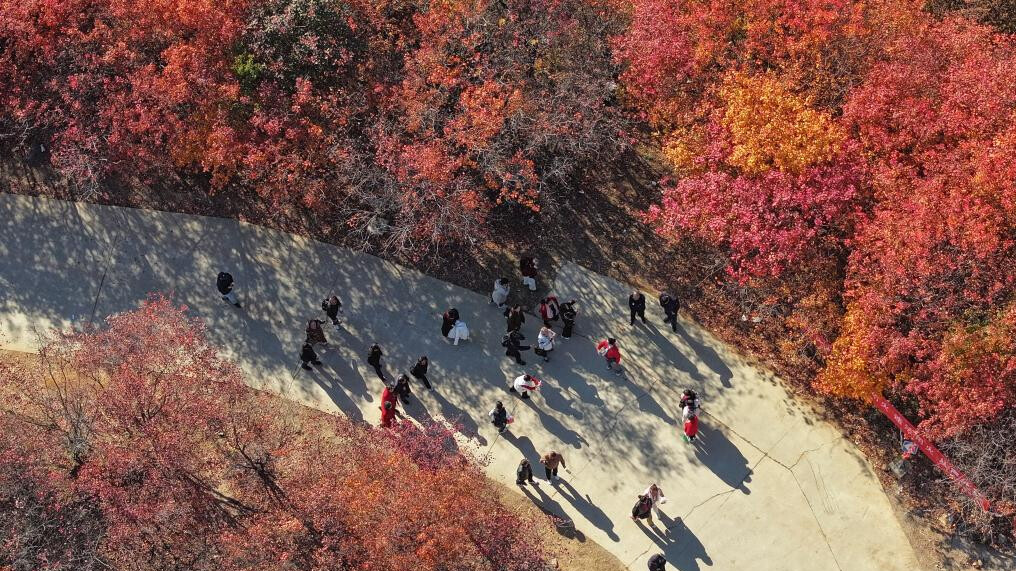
(817, 522)
(797, 481)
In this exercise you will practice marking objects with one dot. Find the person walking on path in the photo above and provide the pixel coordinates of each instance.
(388, 413)
(448, 320)
(499, 296)
(637, 305)
(568, 314)
(658, 563)
(515, 318)
(307, 355)
(670, 305)
(549, 309)
(332, 308)
(315, 333)
(459, 332)
(524, 473)
(402, 389)
(512, 342)
(656, 495)
(545, 341)
(224, 283)
(643, 510)
(419, 371)
(499, 417)
(389, 395)
(690, 416)
(527, 266)
(550, 462)
(374, 355)
(689, 397)
(608, 348)
(524, 384)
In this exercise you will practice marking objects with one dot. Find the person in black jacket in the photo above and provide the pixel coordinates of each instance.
(332, 306)
(524, 473)
(513, 344)
(658, 563)
(499, 417)
(670, 306)
(224, 283)
(448, 321)
(568, 314)
(374, 360)
(307, 355)
(515, 317)
(637, 305)
(419, 371)
(402, 388)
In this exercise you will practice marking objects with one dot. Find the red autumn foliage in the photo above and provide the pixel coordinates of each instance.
(407, 123)
(904, 234)
(140, 437)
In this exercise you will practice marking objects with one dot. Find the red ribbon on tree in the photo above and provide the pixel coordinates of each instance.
(931, 451)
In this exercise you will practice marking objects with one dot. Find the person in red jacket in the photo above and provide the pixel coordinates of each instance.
(389, 395)
(549, 308)
(387, 414)
(608, 348)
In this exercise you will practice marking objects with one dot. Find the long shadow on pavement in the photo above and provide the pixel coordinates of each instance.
(679, 545)
(550, 507)
(707, 355)
(554, 426)
(331, 386)
(459, 418)
(719, 454)
(588, 509)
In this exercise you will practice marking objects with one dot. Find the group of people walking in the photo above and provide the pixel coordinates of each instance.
(397, 389)
(669, 303)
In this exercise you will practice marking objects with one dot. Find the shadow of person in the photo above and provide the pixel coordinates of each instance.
(718, 453)
(552, 508)
(587, 508)
(335, 392)
(672, 354)
(707, 355)
(456, 417)
(647, 402)
(556, 400)
(415, 408)
(525, 446)
(680, 546)
(586, 392)
(554, 426)
(345, 374)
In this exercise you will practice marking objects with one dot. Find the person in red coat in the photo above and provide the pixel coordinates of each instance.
(608, 348)
(690, 423)
(389, 395)
(387, 414)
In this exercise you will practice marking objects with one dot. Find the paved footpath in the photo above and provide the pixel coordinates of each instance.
(769, 486)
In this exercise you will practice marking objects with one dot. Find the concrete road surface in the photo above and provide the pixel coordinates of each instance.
(768, 486)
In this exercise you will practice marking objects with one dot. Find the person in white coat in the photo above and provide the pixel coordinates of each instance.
(459, 332)
(524, 384)
(500, 294)
(545, 341)
(656, 494)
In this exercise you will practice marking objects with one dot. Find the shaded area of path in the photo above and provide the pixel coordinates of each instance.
(769, 486)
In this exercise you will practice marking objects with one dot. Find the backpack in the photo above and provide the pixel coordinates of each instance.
(505, 339)
(324, 305)
(642, 507)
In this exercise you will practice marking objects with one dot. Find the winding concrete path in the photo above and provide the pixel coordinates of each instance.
(769, 486)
